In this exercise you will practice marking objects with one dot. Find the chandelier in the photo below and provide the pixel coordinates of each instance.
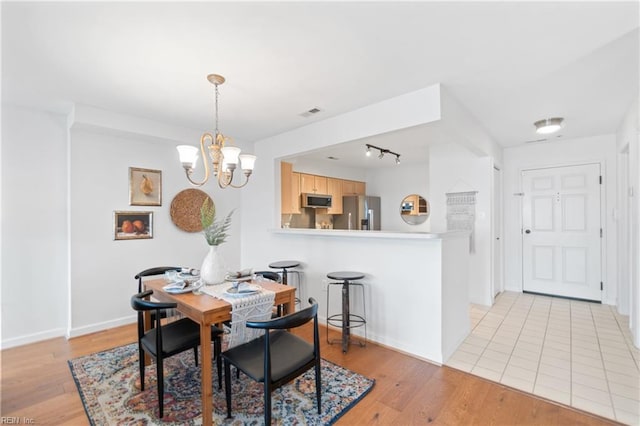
(224, 158)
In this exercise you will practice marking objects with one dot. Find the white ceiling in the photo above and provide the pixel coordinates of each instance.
(509, 63)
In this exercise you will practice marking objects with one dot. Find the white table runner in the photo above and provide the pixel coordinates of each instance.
(251, 307)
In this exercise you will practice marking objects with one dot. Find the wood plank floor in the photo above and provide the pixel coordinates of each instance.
(37, 384)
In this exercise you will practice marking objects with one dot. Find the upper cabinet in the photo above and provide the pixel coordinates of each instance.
(313, 184)
(352, 187)
(289, 189)
(334, 187)
(292, 184)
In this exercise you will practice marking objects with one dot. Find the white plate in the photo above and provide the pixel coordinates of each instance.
(174, 288)
(246, 291)
(239, 279)
(187, 276)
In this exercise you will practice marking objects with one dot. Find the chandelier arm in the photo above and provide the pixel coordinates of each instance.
(226, 181)
(203, 138)
(224, 178)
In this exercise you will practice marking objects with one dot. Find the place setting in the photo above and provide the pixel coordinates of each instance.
(185, 281)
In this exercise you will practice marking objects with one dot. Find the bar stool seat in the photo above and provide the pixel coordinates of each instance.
(346, 320)
(284, 265)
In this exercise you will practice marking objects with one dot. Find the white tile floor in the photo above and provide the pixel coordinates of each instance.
(577, 353)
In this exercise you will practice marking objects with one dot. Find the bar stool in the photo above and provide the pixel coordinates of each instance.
(285, 265)
(346, 320)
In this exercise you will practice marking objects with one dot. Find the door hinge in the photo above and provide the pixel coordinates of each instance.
(600, 179)
(601, 286)
(600, 232)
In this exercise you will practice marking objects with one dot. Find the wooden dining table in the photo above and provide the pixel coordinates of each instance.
(207, 311)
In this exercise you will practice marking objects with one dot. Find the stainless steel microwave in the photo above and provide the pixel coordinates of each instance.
(316, 201)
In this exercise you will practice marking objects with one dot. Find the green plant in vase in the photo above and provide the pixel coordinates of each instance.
(215, 232)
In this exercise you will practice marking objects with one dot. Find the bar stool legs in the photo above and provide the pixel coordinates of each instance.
(346, 320)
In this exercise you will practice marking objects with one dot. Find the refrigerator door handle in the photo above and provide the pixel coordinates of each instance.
(370, 219)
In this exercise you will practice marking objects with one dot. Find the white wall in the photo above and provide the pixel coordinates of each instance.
(327, 168)
(83, 278)
(627, 139)
(101, 264)
(452, 168)
(34, 225)
(394, 183)
(576, 151)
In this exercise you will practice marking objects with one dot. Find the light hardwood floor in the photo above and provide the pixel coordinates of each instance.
(36, 383)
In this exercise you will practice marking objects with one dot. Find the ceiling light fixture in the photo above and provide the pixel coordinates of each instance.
(224, 158)
(383, 151)
(548, 125)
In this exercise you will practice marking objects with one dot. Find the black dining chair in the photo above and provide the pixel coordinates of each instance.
(163, 341)
(158, 270)
(277, 357)
(269, 275)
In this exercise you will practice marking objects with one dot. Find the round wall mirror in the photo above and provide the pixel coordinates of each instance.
(414, 209)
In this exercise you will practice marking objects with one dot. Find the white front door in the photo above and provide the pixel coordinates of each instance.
(561, 231)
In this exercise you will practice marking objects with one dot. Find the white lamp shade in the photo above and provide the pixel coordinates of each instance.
(231, 154)
(248, 161)
(188, 155)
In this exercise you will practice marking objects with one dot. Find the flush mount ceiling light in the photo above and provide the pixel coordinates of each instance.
(383, 151)
(224, 158)
(548, 125)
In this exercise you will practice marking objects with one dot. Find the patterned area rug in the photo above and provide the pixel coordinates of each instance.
(109, 385)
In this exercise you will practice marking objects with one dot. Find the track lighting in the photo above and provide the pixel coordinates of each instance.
(383, 151)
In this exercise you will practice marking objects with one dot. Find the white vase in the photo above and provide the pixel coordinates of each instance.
(213, 268)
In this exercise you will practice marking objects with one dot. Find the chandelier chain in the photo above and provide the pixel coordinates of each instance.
(216, 130)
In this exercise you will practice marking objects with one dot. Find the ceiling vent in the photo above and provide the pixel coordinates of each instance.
(311, 112)
(537, 140)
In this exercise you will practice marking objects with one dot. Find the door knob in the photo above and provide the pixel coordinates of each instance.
(528, 231)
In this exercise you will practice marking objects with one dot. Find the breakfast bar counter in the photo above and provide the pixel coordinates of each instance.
(416, 284)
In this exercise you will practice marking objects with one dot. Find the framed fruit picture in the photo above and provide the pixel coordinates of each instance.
(145, 187)
(132, 225)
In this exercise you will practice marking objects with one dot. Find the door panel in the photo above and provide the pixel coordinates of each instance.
(561, 231)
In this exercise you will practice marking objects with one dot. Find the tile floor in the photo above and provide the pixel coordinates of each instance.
(577, 353)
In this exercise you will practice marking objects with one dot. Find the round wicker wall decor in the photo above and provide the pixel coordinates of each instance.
(185, 209)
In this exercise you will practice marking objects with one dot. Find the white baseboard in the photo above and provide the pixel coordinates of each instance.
(32, 338)
(61, 332)
(92, 328)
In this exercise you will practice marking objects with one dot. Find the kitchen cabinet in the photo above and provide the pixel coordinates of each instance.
(334, 186)
(313, 184)
(289, 189)
(352, 187)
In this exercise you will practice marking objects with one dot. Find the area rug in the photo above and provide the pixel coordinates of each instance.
(109, 385)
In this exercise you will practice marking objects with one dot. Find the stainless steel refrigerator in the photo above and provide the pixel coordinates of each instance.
(359, 212)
